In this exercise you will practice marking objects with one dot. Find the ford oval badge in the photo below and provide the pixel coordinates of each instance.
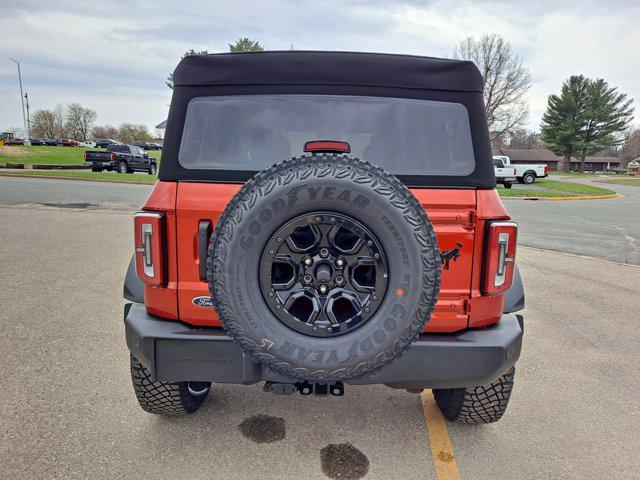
(204, 302)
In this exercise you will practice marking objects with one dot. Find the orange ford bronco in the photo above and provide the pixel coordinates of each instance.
(324, 219)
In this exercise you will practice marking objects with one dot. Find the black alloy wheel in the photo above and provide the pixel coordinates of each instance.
(323, 274)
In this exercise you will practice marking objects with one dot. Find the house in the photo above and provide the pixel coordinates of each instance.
(160, 128)
(599, 164)
(539, 155)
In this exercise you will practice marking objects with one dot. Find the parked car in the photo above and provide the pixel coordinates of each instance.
(88, 144)
(68, 142)
(105, 142)
(121, 158)
(141, 144)
(324, 268)
(37, 142)
(50, 142)
(505, 174)
(155, 146)
(526, 172)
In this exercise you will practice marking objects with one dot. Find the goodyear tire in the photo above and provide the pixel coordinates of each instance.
(354, 208)
(166, 398)
(477, 405)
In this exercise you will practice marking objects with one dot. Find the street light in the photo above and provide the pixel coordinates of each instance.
(24, 117)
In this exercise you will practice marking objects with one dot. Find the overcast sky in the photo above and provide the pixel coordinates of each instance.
(114, 55)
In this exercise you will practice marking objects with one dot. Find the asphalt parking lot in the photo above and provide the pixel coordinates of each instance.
(68, 410)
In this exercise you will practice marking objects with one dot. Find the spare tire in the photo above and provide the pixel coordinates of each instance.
(324, 268)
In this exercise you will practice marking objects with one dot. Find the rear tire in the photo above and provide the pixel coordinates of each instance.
(166, 398)
(507, 185)
(93, 169)
(122, 168)
(529, 178)
(476, 405)
(153, 170)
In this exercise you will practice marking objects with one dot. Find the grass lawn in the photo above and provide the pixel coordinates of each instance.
(623, 181)
(554, 173)
(47, 155)
(555, 188)
(101, 176)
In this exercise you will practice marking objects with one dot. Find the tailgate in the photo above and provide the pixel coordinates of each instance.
(452, 212)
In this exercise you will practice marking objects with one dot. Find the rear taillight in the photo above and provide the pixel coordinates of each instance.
(85, 156)
(546, 169)
(149, 247)
(500, 257)
(112, 157)
(514, 172)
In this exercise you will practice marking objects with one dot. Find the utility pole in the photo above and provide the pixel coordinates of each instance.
(24, 118)
(26, 100)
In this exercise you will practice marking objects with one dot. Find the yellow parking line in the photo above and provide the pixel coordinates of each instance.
(441, 449)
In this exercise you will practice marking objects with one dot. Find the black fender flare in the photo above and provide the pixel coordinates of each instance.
(514, 296)
(133, 286)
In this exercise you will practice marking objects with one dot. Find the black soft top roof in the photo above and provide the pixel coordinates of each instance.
(329, 68)
(328, 73)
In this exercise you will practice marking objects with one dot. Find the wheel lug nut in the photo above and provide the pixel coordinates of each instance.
(374, 298)
(339, 279)
(329, 329)
(308, 261)
(315, 329)
(324, 253)
(376, 255)
(279, 240)
(339, 262)
(307, 279)
(271, 294)
(323, 289)
(369, 242)
(318, 219)
(271, 252)
(278, 307)
(367, 310)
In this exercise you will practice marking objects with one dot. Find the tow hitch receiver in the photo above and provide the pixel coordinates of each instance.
(305, 388)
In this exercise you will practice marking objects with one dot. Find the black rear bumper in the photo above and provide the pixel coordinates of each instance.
(173, 351)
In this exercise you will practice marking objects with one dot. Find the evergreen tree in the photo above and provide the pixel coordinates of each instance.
(562, 121)
(586, 117)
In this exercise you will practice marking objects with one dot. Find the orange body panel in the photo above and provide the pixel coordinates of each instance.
(163, 301)
(457, 215)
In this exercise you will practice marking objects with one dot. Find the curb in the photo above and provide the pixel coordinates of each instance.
(591, 197)
(61, 177)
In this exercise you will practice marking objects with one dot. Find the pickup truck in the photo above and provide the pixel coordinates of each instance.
(325, 219)
(505, 175)
(527, 172)
(121, 158)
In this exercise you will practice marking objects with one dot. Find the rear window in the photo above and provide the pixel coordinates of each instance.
(252, 132)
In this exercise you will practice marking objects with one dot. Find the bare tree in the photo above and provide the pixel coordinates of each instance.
(59, 122)
(79, 120)
(525, 139)
(18, 132)
(506, 80)
(43, 124)
(104, 131)
(631, 147)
